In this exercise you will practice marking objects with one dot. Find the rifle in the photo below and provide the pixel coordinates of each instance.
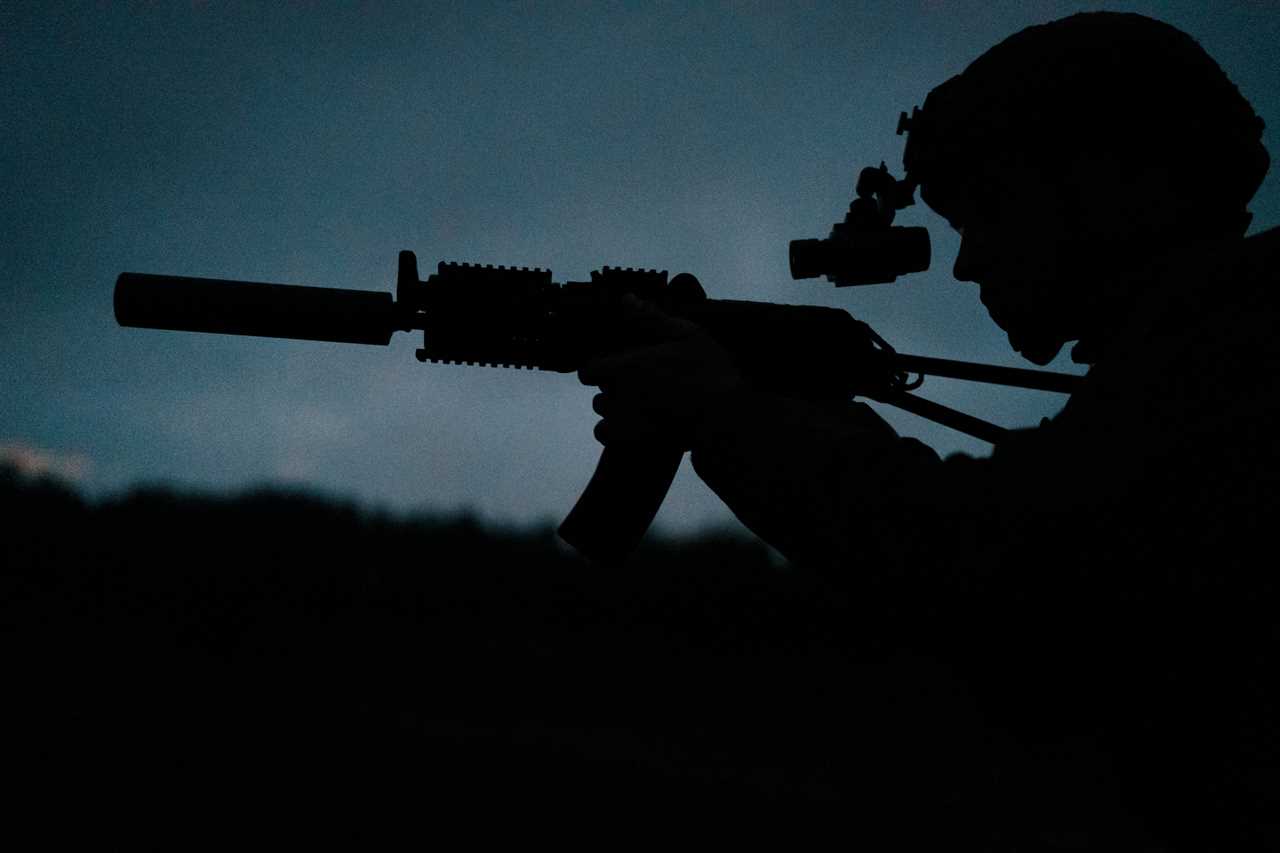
(519, 318)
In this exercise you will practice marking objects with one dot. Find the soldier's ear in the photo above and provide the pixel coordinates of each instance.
(1101, 193)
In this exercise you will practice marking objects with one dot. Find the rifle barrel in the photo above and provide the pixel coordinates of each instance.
(254, 308)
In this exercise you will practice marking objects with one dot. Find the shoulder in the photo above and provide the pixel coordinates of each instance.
(1201, 335)
(1233, 281)
(1187, 394)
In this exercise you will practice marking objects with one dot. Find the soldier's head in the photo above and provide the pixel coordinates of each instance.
(1070, 153)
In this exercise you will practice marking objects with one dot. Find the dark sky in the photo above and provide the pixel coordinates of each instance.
(308, 143)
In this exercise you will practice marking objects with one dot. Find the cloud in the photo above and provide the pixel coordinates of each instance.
(37, 462)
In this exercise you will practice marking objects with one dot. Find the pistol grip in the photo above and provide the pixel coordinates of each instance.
(618, 505)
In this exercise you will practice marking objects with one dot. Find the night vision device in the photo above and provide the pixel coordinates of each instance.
(866, 247)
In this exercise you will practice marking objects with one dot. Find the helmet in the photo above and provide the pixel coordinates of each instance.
(1119, 83)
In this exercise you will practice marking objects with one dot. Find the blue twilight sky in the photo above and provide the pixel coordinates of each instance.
(308, 142)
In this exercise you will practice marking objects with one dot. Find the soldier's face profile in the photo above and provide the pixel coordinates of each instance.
(1014, 247)
(1043, 246)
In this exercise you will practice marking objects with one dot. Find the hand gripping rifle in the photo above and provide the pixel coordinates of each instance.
(520, 318)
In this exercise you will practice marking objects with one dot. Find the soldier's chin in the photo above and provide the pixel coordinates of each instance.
(1035, 349)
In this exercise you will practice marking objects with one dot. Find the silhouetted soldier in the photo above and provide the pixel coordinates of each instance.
(1106, 581)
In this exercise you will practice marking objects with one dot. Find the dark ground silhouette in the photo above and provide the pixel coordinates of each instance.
(283, 640)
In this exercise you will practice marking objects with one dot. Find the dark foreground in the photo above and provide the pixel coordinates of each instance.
(218, 657)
